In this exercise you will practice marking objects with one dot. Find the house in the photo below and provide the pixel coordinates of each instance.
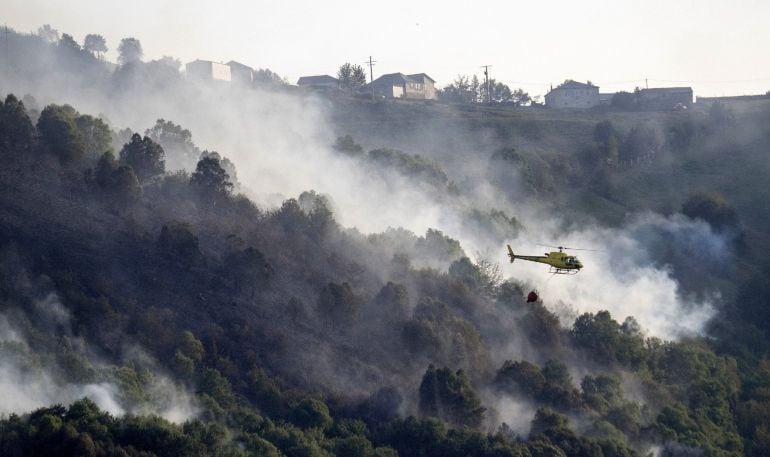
(664, 98)
(732, 99)
(605, 98)
(573, 94)
(321, 81)
(208, 70)
(240, 72)
(398, 85)
(422, 83)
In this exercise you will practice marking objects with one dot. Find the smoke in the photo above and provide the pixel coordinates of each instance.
(31, 379)
(623, 276)
(280, 143)
(517, 413)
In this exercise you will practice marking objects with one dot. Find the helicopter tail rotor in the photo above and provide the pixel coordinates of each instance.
(510, 253)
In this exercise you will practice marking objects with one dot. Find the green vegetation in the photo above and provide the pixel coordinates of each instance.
(294, 336)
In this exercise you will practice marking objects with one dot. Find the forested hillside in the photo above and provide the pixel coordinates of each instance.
(320, 276)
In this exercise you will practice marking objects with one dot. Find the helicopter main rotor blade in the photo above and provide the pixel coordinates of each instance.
(571, 249)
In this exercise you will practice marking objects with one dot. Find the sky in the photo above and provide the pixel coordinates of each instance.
(718, 47)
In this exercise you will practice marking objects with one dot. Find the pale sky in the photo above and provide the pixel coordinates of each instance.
(718, 47)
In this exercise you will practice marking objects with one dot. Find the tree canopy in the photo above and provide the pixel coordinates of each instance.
(95, 44)
(129, 51)
(144, 156)
(351, 76)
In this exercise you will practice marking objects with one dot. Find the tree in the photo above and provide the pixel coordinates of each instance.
(449, 396)
(601, 392)
(604, 132)
(475, 89)
(465, 270)
(641, 142)
(248, 266)
(145, 156)
(178, 240)
(48, 33)
(413, 437)
(268, 77)
(60, 134)
(546, 419)
(218, 387)
(499, 92)
(16, 130)
(353, 446)
(712, 208)
(558, 390)
(210, 180)
(226, 165)
(162, 73)
(337, 304)
(520, 378)
(117, 182)
(391, 303)
(520, 98)
(311, 413)
(607, 340)
(459, 91)
(97, 136)
(180, 151)
(347, 145)
(95, 44)
(351, 77)
(130, 51)
(69, 44)
(606, 136)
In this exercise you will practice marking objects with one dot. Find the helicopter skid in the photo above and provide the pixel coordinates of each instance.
(563, 271)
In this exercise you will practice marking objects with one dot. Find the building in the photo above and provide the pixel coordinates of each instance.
(422, 87)
(241, 73)
(398, 85)
(321, 81)
(664, 98)
(732, 99)
(208, 70)
(573, 94)
(605, 99)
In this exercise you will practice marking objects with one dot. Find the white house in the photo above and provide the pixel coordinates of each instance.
(208, 70)
(240, 72)
(573, 94)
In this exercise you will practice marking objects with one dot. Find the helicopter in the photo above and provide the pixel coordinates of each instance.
(560, 262)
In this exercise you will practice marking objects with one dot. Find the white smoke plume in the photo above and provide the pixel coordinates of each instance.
(27, 383)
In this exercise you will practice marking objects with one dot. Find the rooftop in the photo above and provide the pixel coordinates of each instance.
(319, 79)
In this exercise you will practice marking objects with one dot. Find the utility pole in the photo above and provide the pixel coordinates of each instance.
(486, 78)
(371, 74)
(646, 86)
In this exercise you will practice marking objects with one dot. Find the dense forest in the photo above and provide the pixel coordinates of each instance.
(328, 281)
